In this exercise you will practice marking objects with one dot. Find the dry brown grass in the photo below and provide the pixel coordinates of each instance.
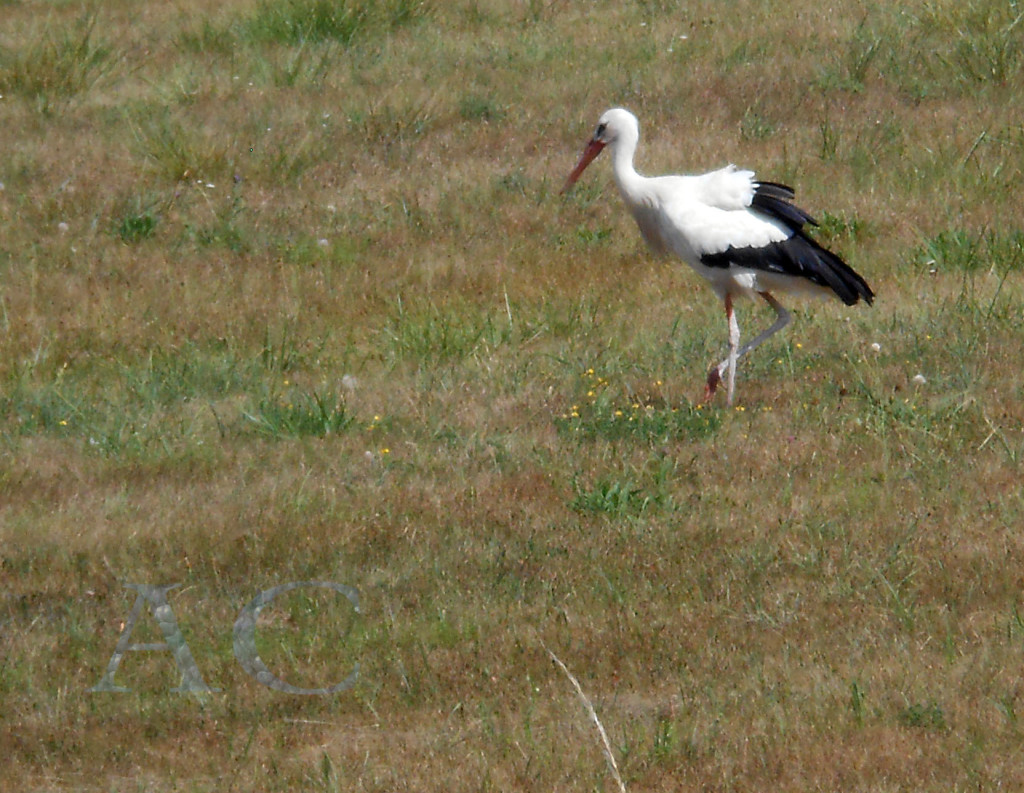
(819, 590)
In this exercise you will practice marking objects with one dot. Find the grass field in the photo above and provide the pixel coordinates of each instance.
(288, 294)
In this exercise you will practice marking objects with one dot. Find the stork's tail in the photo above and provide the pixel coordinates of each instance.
(806, 256)
(842, 279)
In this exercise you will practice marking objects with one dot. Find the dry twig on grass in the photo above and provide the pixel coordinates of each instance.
(606, 744)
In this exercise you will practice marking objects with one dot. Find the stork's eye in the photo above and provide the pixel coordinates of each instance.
(599, 132)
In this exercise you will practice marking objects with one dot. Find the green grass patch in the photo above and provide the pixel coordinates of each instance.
(438, 334)
(56, 63)
(959, 250)
(924, 716)
(613, 497)
(297, 413)
(174, 399)
(176, 149)
(599, 414)
(136, 219)
(348, 22)
(645, 423)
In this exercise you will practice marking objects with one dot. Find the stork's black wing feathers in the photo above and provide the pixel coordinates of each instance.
(801, 257)
(773, 199)
(776, 190)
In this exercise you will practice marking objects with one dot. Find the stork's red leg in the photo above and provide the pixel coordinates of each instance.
(782, 318)
(715, 375)
(714, 378)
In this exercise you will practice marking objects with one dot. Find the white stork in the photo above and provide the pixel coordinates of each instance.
(743, 235)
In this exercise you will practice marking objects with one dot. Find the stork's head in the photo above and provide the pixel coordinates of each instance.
(614, 126)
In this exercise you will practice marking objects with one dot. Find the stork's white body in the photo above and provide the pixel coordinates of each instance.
(741, 235)
(691, 216)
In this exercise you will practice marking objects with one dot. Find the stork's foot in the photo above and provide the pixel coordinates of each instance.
(714, 378)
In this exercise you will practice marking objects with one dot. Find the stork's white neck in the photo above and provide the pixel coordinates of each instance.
(623, 150)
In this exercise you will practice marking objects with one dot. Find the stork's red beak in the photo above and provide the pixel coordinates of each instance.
(589, 153)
